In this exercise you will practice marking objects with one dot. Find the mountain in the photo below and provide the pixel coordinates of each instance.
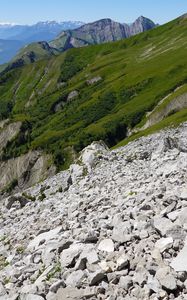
(99, 32)
(32, 53)
(115, 92)
(140, 25)
(14, 37)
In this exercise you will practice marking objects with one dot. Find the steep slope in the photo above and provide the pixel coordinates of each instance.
(31, 53)
(99, 32)
(96, 92)
(142, 24)
(116, 226)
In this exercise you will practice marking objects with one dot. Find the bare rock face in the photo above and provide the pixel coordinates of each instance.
(113, 226)
(176, 104)
(8, 132)
(179, 263)
(140, 25)
(102, 31)
(27, 170)
(23, 171)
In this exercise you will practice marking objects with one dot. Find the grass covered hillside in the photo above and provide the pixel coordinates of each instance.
(95, 92)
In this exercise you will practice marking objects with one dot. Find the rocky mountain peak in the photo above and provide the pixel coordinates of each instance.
(184, 16)
(101, 31)
(140, 25)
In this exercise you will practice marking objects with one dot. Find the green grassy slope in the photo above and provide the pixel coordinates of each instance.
(136, 74)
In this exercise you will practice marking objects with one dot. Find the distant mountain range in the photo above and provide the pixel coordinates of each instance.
(98, 32)
(38, 32)
(18, 36)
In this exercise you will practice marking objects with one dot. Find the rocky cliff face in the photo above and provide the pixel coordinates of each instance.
(113, 226)
(25, 170)
(140, 25)
(158, 114)
(8, 132)
(99, 32)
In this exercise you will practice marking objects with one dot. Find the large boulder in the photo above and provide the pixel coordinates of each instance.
(31, 297)
(72, 95)
(44, 237)
(70, 293)
(179, 263)
(90, 155)
(94, 80)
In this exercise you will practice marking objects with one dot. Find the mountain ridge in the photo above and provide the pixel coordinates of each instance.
(26, 34)
(98, 32)
(16, 31)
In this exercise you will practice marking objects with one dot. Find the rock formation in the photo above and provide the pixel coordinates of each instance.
(102, 31)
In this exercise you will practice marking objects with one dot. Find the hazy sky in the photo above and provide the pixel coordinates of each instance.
(32, 11)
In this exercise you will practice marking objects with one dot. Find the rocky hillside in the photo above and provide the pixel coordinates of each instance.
(140, 25)
(113, 92)
(25, 170)
(113, 226)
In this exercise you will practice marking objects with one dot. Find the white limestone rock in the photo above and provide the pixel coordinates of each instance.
(106, 245)
(179, 263)
(164, 244)
(44, 237)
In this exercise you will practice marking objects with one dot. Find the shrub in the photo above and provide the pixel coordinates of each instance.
(11, 186)
(42, 197)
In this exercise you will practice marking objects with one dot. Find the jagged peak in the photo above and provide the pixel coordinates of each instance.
(144, 19)
(184, 16)
(105, 20)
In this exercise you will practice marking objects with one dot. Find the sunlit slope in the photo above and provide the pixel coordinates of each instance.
(134, 75)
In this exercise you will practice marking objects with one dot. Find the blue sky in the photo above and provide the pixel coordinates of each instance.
(32, 11)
